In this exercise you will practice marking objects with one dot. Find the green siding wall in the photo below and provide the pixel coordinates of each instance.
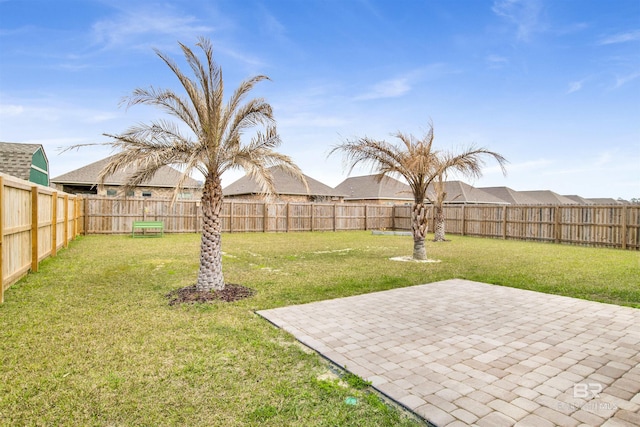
(39, 160)
(38, 177)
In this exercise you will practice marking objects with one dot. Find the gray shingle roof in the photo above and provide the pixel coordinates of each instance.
(15, 159)
(578, 199)
(511, 196)
(604, 201)
(547, 197)
(367, 187)
(88, 175)
(284, 183)
(460, 192)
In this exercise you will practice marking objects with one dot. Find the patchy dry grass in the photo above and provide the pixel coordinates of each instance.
(92, 340)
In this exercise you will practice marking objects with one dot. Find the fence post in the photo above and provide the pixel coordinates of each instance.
(557, 232)
(504, 222)
(85, 219)
(265, 215)
(34, 228)
(464, 219)
(366, 217)
(311, 216)
(54, 223)
(196, 227)
(66, 221)
(231, 217)
(623, 228)
(335, 220)
(1, 238)
(76, 214)
(144, 209)
(288, 214)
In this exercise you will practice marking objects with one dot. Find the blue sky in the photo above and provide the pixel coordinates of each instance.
(553, 85)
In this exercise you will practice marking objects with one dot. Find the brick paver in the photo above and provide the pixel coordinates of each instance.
(459, 352)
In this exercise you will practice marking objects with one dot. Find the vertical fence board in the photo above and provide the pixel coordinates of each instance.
(34, 228)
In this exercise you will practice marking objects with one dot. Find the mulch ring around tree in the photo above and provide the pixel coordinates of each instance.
(189, 294)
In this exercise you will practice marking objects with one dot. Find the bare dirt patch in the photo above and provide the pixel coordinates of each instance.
(190, 295)
(411, 259)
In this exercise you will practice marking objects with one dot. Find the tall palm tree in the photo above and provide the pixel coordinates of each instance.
(418, 163)
(209, 140)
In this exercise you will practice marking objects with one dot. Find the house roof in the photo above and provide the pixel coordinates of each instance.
(511, 196)
(284, 183)
(547, 197)
(604, 201)
(368, 187)
(15, 158)
(460, 192)
(88, 175)
(578, 199)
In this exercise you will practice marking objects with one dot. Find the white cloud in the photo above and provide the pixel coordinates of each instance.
(496, 61)
(273, 27)
(402, 84)
(9, 110)
(623, 80)
(620, 38)
(574, 86)
(391, 88)
(524, 14)
(133, 25)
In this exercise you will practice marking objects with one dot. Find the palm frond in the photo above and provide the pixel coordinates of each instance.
(414, 159)
(169, 101)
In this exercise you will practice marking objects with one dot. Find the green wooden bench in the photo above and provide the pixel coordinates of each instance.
(146, 225)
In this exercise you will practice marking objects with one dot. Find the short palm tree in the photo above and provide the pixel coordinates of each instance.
(209, 140)
(468, 164)
(419, 164)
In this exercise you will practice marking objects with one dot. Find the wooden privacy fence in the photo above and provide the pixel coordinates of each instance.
(35, 222)
(103, 215)
(616, 226)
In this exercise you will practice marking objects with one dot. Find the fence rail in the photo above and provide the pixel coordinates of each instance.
(35, 222)
(616, 226)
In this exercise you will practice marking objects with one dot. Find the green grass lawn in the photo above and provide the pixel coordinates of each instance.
(91, 340)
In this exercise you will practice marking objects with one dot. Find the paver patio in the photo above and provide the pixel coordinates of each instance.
(459, 353)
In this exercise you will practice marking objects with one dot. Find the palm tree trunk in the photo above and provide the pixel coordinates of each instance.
(210, 274)
(419, 228)
(439, 226)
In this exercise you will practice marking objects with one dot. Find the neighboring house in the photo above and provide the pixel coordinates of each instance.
(510, 196)
(367, 189)
(288, 189)
(85, 181)
(547, 197)
(579, 200)
(458, 192)
(25, 161)
(390, 191)
(606, 201)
